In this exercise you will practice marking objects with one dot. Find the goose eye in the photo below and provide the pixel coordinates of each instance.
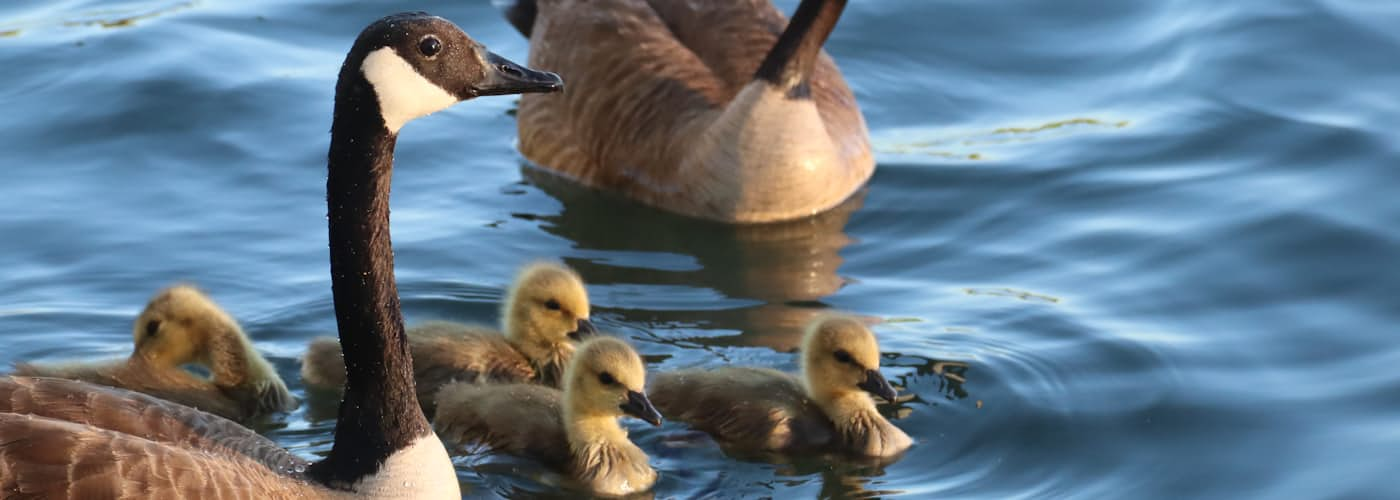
(152, 328)
(606, 378)
(430, 46)
(843, 356)
(552, 304)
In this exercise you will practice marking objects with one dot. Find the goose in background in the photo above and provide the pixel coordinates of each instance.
(181, 325)
(718, 110)
(544, 315)
(758, 409)
(123, 444)
(575, 430)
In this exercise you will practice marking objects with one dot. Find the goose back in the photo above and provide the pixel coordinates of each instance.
(650, 83)
(50, 458)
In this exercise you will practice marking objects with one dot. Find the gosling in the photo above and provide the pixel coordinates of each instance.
(575, 430)
(757, 409)
(545, 315)
(183, 326)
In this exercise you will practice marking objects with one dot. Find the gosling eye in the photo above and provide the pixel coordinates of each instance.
(843, 356)
(606, 378)
(552, 305)
(152, 328)
(430, 46)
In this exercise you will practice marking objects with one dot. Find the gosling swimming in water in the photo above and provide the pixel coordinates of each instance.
(544, 316)
(575, 430)
(767, 410)
(179, 326)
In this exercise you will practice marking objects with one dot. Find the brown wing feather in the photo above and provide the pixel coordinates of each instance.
(646, 90)
(751, 408)
(520, 419)
(140, 416)
(46, 458)
(732, 38)
(655, 70)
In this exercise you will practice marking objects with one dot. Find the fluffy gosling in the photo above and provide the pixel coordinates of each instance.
(575, 430)
(766, 410)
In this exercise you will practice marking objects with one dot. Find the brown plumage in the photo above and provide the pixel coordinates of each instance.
(695, 107)
(140, 416)
(179, 326)
(47, 458)
(575, 430)
(767, 410)
(544, 315)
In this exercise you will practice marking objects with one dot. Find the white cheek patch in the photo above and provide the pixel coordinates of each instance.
(403, 93)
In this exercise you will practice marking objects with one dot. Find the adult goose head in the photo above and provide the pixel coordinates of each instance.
(719, 110)
(401, 67)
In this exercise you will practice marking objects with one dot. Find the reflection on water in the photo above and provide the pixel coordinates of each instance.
(780, 271)
(119, 16)
(772, 278)
(1071, 306)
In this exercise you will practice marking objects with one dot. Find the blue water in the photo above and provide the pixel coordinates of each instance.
(1120, 249)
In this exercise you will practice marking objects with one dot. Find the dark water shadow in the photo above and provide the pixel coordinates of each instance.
(780, 272)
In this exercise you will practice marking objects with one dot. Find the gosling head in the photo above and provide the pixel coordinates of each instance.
(416, 64)
(547, 310)
(841, 357)
(176, 326)
(607, 378)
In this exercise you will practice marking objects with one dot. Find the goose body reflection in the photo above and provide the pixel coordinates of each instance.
(773, 275)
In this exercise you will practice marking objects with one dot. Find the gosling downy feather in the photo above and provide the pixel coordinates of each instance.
(575, 429)
(544, 315)
(719, 110)
(101, 442)
(181, 325)
(768, 410)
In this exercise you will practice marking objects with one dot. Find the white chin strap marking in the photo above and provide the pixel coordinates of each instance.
(403, 93)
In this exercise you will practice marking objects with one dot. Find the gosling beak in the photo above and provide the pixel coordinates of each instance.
(585, 330)
(505, 77)
(639, 406)
(876, 384)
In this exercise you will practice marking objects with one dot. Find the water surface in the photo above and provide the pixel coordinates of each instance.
(1115, 249)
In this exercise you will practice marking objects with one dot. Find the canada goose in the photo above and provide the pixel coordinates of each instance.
(181, 325)
(700, 108)
(575, 430)
(124, 444)
(768, 410)
(544, 314)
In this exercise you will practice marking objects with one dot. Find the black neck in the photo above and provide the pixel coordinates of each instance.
(379, 413)
(789, 64)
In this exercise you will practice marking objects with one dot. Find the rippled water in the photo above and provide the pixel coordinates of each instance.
(1121, 249)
